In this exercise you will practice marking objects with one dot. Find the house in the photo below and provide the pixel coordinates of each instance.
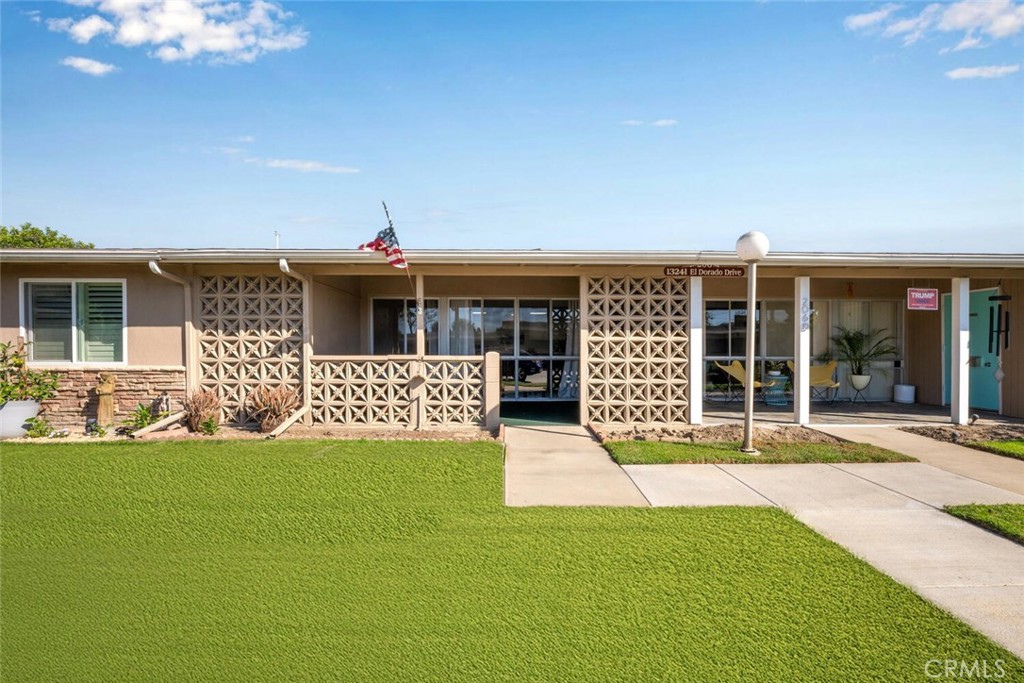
(617, 338)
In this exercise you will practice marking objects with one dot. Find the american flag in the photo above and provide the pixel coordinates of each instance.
(387, 241)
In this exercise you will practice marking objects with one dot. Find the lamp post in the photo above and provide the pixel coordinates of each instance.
(751, 248)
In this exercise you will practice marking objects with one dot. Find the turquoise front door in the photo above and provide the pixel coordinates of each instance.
(984, 389)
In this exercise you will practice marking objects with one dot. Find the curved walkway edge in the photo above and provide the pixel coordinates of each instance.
(997, 470)
(563, 465)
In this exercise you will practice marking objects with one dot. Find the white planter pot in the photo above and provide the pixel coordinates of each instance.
(14, 415)
(903, 393)
(860, 382)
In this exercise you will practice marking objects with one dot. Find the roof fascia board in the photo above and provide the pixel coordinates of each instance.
(507, 257)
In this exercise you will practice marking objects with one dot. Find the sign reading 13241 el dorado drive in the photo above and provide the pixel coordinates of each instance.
(705, 271)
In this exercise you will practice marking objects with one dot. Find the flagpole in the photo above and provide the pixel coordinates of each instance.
(412, 285)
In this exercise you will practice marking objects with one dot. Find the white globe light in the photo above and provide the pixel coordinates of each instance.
(752, 246)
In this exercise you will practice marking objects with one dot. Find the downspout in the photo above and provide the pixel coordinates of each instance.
(191, 374)
(307, 393)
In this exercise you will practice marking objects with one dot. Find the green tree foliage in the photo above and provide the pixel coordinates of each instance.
(28, 236)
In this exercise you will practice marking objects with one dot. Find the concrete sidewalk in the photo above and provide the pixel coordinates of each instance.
(997, 470)
(563, 465)
(887, 514)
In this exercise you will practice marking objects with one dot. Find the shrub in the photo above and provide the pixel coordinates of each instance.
(272, 405)
(142, 416)
(18, 382)
(209, 426)
(202, 411)
(40, 428)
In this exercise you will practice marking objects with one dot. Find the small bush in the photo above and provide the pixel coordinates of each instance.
(202, 411)
(272, 405)
(17, 382)
(209, 426)
(141, 417)
(40, 428)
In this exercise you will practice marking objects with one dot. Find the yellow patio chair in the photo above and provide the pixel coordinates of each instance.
(822, 379)
(736, 370)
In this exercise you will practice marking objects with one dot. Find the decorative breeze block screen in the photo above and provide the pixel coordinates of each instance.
(362, 392)
(367, 392)
(455, 392)
(250, 333)
(637, 350)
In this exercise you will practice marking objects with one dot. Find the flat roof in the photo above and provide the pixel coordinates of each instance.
(506, 257)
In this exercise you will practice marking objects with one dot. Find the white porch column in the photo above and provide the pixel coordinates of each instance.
(802, 350)
(584, 333)
(960, 332)
(421, 337)
(695, 338)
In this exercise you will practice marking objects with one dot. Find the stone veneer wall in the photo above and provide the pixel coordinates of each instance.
(76, 398)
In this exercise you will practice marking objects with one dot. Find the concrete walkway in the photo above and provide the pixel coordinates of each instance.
(888, 515)
(997, 470)
(563, 465)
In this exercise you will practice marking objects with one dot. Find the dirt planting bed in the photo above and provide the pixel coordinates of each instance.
(970, 433)
(718, 433)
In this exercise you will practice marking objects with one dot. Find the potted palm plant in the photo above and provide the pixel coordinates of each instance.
(21, 390)
(858, 348)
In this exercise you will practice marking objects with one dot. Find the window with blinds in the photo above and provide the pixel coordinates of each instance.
(75, 321)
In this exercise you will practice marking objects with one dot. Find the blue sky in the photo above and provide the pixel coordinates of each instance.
(829, 126)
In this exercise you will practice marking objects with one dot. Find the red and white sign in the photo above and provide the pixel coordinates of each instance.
(919, 299)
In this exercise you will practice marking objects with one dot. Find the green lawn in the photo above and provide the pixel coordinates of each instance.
(656, 452)
(1014, 448)
(1007, 520)
(310, 561)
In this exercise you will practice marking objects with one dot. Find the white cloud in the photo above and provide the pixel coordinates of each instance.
(186, 30)
(967, 43)
(33, 16)
(245, 139)
(996, 19)
(88, 66)
(302, 165)
(855, 22)
(81, 31)
(659, 123)
(983, 72)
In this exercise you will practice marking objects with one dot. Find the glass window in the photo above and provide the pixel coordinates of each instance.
(725, 329)
(390, 326)
(868, 316)
(431, 328)
(465, 336)
(508, 379)
(394, 326)
(716, 328)
(778, 329)
(534, 328)
(533, 378)
(499, 326)
(50, 326)
(565, 327)
(76, 321)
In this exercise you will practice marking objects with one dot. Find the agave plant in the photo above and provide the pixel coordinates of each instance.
(272, 405)
(858, 348)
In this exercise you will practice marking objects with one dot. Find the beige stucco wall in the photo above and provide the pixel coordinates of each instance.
(335, 321)
(155, 308)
